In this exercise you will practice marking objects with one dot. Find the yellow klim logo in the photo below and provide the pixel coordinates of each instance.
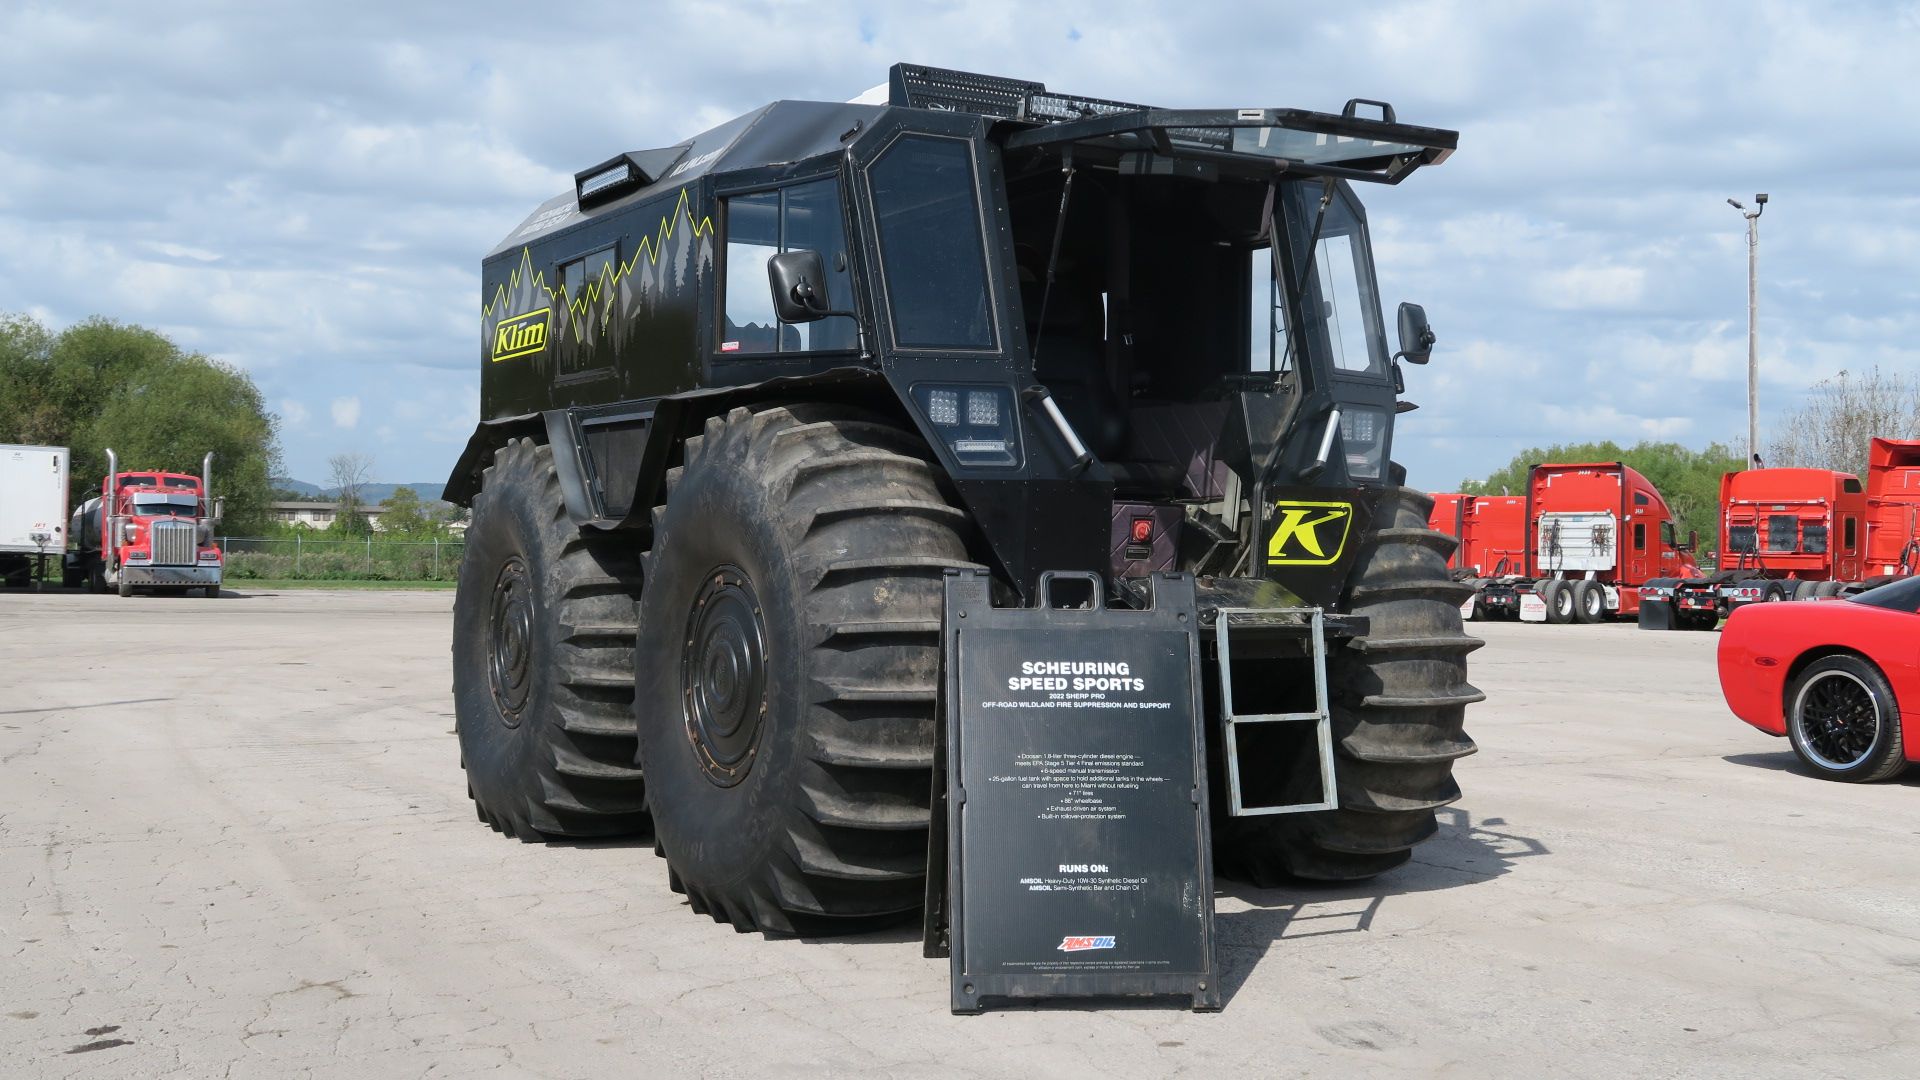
(520, 335)
(1309, 533)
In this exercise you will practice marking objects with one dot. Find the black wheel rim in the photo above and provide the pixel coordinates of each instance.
(1839, 720)
(510, 624)
(723, 675)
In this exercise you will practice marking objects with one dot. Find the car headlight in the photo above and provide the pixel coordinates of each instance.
(976, 422)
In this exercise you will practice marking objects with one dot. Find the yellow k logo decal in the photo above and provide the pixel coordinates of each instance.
(1308, 533)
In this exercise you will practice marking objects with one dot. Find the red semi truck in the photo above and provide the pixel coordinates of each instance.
(1576, 548)
(147, 530)
(1794, 534)
(1491, 529)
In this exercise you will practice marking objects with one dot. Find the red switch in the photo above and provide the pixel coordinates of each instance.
(1142, 530)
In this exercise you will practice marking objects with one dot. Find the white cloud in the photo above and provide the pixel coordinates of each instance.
(1591, 288)
(308, 214)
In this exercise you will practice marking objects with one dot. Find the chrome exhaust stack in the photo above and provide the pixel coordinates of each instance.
(109, 509)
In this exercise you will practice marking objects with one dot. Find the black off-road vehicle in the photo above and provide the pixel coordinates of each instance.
(748, 398)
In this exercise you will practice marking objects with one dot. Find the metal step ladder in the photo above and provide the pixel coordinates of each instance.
(1287, 622)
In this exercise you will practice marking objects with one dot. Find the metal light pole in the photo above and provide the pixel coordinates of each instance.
(1753, 324)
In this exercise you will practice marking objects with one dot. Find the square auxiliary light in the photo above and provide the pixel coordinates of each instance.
(943, 407)
(981, 430)
(983, 408)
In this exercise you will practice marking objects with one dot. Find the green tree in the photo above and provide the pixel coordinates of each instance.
(1688, 478)
(100, 384)
(404, 515)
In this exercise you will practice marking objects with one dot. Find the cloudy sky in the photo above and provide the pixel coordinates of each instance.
(305, 190)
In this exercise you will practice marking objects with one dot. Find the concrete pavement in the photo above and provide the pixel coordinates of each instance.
(234, 841)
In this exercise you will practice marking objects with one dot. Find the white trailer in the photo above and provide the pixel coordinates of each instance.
(33, 509)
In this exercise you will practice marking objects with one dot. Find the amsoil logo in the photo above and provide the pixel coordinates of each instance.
(520, 335)
(1082, 944)
(1309, 533)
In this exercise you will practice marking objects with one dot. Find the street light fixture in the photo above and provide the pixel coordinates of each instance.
(1753, 323)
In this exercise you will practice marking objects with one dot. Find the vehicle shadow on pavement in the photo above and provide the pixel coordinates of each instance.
(1464, 852)
(1786, 762)
(1780, 762)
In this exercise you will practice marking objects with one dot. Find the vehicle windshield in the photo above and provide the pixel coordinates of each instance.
(1902, 595)
(165, 505)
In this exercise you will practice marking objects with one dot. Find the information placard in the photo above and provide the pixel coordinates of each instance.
(1079, 860)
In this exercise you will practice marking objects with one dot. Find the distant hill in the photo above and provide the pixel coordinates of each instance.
(373, 494)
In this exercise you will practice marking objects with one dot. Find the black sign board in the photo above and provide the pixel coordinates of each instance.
(1078, 854)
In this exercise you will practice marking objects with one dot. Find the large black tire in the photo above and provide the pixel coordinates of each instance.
(1844, 722)
(543, 628)
(788, 658)
(1399, 698)
(125, 588)
(1558, 596)
(1589, 601)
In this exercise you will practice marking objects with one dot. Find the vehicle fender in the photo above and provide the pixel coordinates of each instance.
(463, 483)
(678, 417)
(554, 428)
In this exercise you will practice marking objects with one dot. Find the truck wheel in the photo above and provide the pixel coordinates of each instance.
(1844, 722)
(1775, 592)
(1399, 696)
(542, 642)
(213, 592)
(1589, 601)
(125, 587)
(788, 658)
(1558, 596)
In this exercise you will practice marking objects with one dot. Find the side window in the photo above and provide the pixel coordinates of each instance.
(1847, 535)
(932, 254)
(1639, 536)
(761, 225)
(587, 285)
(1668, 536)
(1640, 499)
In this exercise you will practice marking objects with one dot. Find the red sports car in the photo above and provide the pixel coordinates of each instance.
(1836, 677)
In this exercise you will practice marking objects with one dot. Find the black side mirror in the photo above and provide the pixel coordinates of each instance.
(799, 282)
(1416, 337)
(1693, 540)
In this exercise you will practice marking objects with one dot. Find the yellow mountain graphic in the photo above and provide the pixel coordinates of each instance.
(600, 291)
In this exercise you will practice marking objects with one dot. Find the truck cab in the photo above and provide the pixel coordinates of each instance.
(1792, 524)
(148, 530)
(1893, 508)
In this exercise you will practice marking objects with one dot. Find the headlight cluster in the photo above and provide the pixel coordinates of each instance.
(1363, 434)
(976, 422)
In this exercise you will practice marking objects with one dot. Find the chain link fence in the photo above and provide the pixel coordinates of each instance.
(370, 559)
